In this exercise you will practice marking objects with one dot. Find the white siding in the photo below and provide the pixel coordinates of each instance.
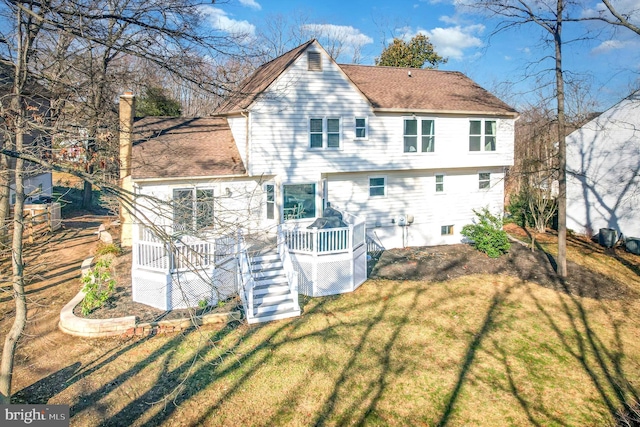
(238, 125)
(603, 161)
(413, 193)
(242, 206)
(280, 134)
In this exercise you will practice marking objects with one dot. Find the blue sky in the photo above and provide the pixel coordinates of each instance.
(608, 60)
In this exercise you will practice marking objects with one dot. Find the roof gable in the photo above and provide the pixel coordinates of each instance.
(260, 80)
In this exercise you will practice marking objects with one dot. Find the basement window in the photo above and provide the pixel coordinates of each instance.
(446, 230)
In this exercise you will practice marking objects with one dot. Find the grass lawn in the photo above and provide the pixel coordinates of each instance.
(482, 350)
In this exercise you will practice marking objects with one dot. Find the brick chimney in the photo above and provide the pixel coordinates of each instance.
(127, 113)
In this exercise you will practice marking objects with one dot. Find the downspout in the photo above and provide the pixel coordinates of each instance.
(247, 151)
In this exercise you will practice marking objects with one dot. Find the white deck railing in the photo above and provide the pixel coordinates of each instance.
(187, 253)
(302, 239)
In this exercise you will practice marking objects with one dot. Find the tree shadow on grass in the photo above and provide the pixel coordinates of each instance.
(44, 389)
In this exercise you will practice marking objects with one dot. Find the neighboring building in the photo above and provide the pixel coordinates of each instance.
(37, 183)
(410, 151)
(603, 165)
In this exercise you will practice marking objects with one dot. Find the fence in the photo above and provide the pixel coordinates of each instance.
(39, 220)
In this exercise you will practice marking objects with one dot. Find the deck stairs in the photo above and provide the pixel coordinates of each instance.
(273, 298)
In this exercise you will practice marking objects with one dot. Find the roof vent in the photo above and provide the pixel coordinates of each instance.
(314, 61)
(409, 73)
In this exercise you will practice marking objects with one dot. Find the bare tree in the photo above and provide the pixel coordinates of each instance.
(549, 15)
(619, 18)
(26, 25)
(87, 39)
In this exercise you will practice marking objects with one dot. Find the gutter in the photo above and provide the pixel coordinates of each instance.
(456, 112)
(193, 178)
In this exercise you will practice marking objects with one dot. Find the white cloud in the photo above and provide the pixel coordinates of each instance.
(220, 20)
(452, 20)
(608, 46)
(251, 4)
(346, 34)
(451, 42)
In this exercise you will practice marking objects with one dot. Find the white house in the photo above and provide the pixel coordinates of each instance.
(405, 155)
(603, 165)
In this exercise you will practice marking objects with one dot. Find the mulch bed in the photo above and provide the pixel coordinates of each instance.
(441, 263)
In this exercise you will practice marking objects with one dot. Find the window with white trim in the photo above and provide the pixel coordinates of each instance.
(484, 180)
(270, 201)
(299, 201)
(192, 209)
(361, 128)
(439, 183)
(377, 186)
(419, 135)
(325, 132)
(482, 135)
(446, 230)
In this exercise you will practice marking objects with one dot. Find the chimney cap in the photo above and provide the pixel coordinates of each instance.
(128, 93)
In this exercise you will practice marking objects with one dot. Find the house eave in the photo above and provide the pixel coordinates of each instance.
(454, 112)
(189, 178)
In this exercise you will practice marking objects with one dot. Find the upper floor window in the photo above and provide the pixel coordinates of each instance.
(324, 133)
(314, 61)
(192, 209)
(419, 135)
(377, 186)
(482, 135)
(361, 128)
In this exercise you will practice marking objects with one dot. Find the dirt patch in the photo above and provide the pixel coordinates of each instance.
(441, 263)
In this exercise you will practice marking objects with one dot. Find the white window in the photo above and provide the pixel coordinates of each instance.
(192, 209)
(446, 230)
(439, 183)
(419, 135)
(270, 193)
(314, 61)
(482, 135)
(324, 132)
(484, 180)
(299, 201)
(377, 186)
(361, 128)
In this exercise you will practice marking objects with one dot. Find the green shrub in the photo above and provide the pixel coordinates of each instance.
(487, 234)
(98, 286)
(519, 211)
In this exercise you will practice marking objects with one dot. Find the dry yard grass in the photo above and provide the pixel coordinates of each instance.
(482, 350)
